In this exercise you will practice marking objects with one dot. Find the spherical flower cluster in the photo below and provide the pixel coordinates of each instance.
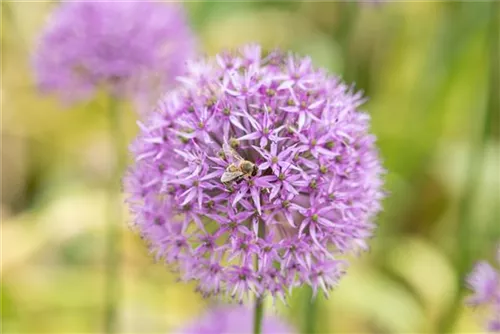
(120, 45)
(256, 175)
(485, 282)
(231, 320)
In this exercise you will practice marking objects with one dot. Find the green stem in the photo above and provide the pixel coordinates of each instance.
(12, 20)
(475, 165)
(114, 220)
(257, 316)
(311, 305)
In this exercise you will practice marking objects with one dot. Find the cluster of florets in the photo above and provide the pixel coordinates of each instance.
(485, 282)
(126, 47)
(312, 196)
(226, 319)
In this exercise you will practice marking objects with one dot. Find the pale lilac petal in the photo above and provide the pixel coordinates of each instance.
(250, 136)
(256, 199)
(242, 192)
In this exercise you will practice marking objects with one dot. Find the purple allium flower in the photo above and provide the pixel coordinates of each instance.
(484, 280)
(126, 47)
(312, 196)
(233, 320)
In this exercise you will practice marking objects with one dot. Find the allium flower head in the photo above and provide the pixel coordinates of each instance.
(231, 320)
(120, 45)
(312, 195)
(485, 282)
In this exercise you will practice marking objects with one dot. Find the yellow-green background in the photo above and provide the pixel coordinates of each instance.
(429, 73)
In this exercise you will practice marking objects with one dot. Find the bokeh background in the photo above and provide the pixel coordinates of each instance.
(431, 72)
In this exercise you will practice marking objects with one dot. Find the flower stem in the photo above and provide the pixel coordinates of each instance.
(311, 305)
(257, 316)
(113, 232)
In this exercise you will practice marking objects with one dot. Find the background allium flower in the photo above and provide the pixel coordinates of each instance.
(484, 280)
(232, 320)
(123, 46)
(315, 193)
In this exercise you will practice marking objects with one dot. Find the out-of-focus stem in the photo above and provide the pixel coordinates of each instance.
(114, 219)
(8, 13)
(311, 304)
(475, 165)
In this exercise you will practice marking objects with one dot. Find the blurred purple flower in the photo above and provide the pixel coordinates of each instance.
(125, 47)
(234, 320)
(484, 280)
(314, 195)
